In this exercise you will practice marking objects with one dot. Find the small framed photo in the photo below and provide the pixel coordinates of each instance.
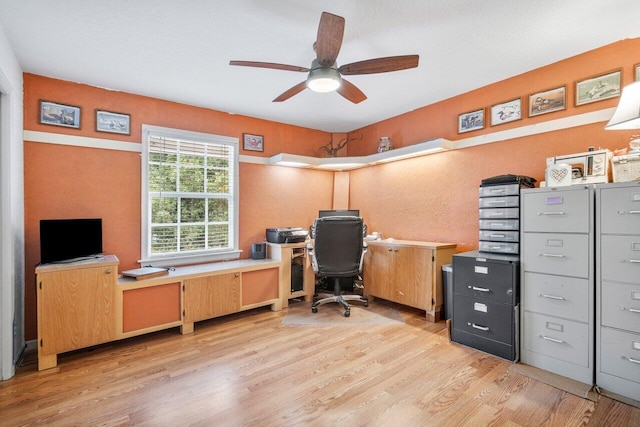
(252, 142)
(636, 68)
(55, 114)
(506, 112)
(548, 101)
(598, 88)
(472, 120)
(107, 121)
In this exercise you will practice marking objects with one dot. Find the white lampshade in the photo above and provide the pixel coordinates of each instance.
(323, 79)
(627, 115)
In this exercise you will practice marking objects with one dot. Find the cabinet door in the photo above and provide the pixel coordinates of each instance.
(413, 277)
(377, 272)
(77, 308)
(212, 296)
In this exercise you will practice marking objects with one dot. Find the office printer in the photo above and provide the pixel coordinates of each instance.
(286, 235)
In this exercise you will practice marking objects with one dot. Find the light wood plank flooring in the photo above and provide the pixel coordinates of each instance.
(248, 369)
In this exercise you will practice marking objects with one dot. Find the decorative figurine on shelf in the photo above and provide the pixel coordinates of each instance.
(332, 150)
(384, 144)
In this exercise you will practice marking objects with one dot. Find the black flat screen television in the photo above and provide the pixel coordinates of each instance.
(69, 240)
(338, 212)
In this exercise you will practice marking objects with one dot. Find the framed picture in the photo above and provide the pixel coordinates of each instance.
(598, 88)
(637, 72)
(55, 114)
(107, 121)
(253, 142)
(548, 101)
(506, 112)
(472, 120)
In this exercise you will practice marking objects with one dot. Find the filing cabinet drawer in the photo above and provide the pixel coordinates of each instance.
(567, 297)
(500, 224)
(484, 318)
(486, 280)
(621, 306)
(556, 211)
(562, 254)
(499, 213)
(500, 247)
(558, 338)
(499, 236)
(620, 354)
(500, 202)
(499, 190)
(620, 210)
(620, 258)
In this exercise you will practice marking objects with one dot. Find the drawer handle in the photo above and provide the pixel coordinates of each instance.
(632, 360)
(496, 202)
(632, 310)
(634, 261)
(497, 190)
(498, 236)
(630, 212)
(475, 288)
(482, 328)
(550, 213)
(551, 297)
(551, 339)
(551, 255)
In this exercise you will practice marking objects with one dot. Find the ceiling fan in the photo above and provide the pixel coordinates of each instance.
(324, 75)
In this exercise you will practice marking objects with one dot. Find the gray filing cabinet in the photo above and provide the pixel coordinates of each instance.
(499, 212)
(618, 288)
(557, 280)
(485, 302)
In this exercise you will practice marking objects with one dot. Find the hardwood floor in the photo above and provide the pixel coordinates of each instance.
(249, 369)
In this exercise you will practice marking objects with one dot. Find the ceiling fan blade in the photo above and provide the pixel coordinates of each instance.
(329, 39)
(290, 92)
(271, 65)
(380, 65)
(351, 92)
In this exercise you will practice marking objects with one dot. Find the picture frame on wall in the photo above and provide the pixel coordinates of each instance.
(506, 112)
(252, 142)
(108, 121)
(598, 88)
(473, 120)
(548, 101)
(52, 113)
(636, 69)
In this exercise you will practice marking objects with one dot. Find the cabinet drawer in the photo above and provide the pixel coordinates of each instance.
(620, 258)
(499, 190)
(499, 247)
(558, 338)
(556, 211)
(500, 224)
(620, 354)
(484, 318)
(499, 236)
(500, 202)
(486, 280)
(499, 213)
(621, 306)
(563, 254)
(556, 295)
(620, 209)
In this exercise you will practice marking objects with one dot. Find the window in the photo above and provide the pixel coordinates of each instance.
(189, 197)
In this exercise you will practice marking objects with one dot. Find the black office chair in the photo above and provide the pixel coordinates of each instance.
(337, 253)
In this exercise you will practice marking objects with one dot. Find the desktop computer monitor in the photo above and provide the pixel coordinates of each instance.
(338, 212)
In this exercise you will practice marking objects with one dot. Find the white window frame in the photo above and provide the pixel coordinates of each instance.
(166, 260)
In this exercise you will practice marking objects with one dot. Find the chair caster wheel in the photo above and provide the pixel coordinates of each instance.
(314, 309)
(347, 313)
(366, 304)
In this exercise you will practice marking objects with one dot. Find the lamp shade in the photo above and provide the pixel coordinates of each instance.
(323, 79)
(627, 114)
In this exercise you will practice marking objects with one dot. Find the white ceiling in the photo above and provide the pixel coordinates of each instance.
(179, 50)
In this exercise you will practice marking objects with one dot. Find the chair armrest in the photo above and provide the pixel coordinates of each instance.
(312, 257)
(365, 246)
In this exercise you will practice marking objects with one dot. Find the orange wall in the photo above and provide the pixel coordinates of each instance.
(70, 182)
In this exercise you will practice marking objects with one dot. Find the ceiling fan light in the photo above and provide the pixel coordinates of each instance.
(324, 79)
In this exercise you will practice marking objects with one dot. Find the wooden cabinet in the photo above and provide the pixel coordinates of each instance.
(407, 272)
(211, 296)
(295, 266)
(76, 306)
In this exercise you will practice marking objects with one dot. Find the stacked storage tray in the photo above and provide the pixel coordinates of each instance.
(500, 218)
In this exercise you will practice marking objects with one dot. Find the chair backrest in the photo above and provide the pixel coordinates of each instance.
(338, 245)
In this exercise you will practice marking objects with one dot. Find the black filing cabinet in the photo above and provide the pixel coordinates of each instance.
(486, 302)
